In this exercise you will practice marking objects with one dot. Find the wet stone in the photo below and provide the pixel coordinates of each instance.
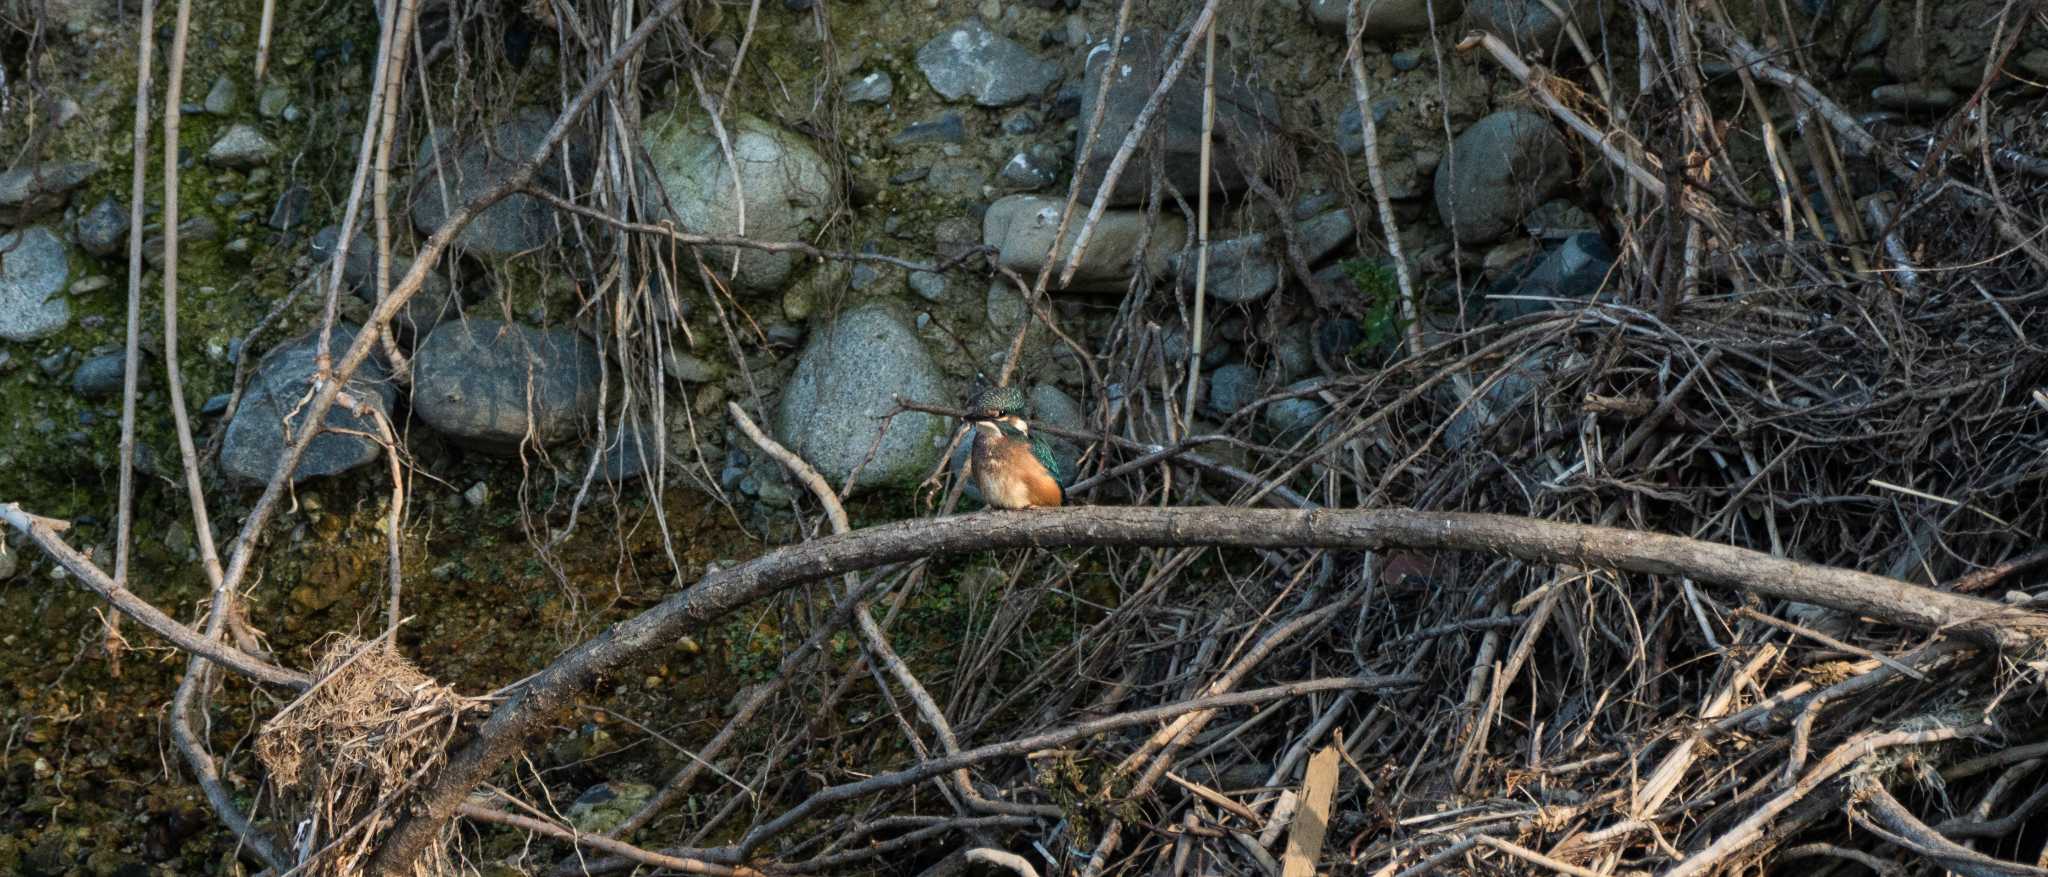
(32, 280)
(28, 192)
(968, 60)
(493, 385)
(104, 228)
(256, 436)
(291, 208)
(222, 97)
(100, 376)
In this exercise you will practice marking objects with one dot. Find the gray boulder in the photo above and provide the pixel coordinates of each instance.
(436, 301)
(34, 268)
(785, 185)
(1351, 125)
(1529, 25)
(1036, 167)
(1575, 270)
(629, 452)
(1244, 116)
(1383, 18)
(1498, 170)
(493, 385)
(257, 434)
(222, 97)
(1232, 387)
(448, 176)
(1291, 419)
(969, 60)
(1021, 227)
(29, 192)
(1248, 268)
(928, 286)
(946, 127)
(1053, 406)
(241, 147)
(848, 377)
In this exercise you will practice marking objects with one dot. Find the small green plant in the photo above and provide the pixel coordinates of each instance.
(1376, 282)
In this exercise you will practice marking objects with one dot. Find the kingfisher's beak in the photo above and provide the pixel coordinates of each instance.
(978, 417)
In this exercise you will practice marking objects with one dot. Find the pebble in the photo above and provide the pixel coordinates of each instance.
(946, 128)
(874, 88)
(241, 147)
(928, 286)
(222, 97)
(1034, 168)
(291, 208)
(271, 103)
(100, 376)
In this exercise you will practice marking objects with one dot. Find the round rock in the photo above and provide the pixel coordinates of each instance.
(103, 229)
(256, 436)
(969, 60)
(1498, 170)
(435, 301)
(1291, 419)
(492, 385)
(844, 382)
(786, 187)
(34, 269)
(515, 224)
(27, 192)
(100, 376)
(1232, 387)
(1529, 25)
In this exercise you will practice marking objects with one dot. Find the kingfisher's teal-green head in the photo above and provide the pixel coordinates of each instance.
(997, 404)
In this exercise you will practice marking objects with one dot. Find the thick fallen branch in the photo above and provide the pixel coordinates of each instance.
(1909, 832)
(43, 532)
(526, 712)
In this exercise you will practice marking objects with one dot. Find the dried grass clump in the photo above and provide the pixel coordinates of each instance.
(345, 755)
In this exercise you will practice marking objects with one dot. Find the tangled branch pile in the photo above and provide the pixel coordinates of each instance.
(1825, 357)
(1828, 360)
(344, 756)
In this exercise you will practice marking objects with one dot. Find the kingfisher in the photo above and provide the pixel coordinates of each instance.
(1012, 468)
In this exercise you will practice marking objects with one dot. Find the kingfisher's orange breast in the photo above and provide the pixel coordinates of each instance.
(1012, 478)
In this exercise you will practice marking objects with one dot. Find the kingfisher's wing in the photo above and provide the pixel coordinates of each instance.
(1041, 449)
